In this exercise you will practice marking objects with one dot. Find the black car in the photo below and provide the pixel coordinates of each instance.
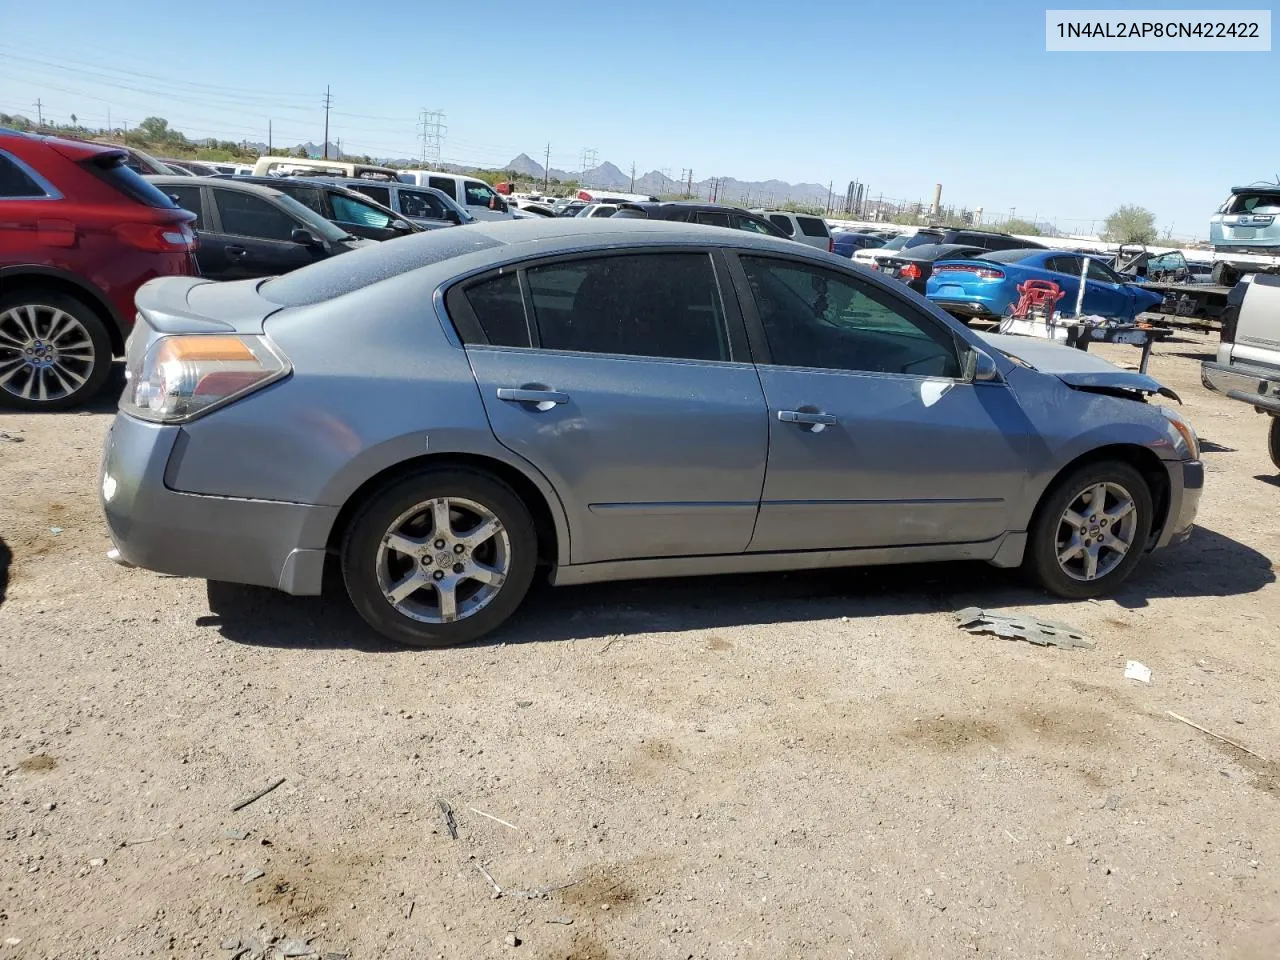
(247, 230)
(914, 266)
(353, 212)
(985, 240)
(711, 214)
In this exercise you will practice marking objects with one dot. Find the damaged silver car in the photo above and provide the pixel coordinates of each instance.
(443, 414)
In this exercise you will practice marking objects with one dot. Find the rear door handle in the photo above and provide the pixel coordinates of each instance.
(540, 397)
(797, 416)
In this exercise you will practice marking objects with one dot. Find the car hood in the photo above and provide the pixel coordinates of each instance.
(1075, 368)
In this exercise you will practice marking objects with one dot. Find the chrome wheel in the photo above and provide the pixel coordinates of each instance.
(1096, 531)
(46, 353)
(443, 560)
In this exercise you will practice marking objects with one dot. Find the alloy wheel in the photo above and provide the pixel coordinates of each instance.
(45, 353)
(1096, 531)
(443, 560)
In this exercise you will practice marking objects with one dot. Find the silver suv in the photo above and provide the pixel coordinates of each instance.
(1248, 364)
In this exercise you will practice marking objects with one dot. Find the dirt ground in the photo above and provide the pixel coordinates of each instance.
(817, 766)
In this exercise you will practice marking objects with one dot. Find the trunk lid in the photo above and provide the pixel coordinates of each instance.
(198, 305)
(1076, 368)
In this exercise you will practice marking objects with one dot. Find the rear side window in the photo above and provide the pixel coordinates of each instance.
(189, 199)
(648, 305)
(112, 170)
(446, 185)
(14, 181)
(783, 223)
(812, 227)
(246, 215)
(499, 307)
(712, 218)
(380, 195)
(1068, 265)
(750, 225)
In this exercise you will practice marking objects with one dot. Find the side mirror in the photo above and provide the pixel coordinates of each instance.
(304, 237)
(979, 367)
(401, 226)
(452, 217)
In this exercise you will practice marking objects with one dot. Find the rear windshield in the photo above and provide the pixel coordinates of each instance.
(812, 227)
(111, 169)
(353, 271)
(920, 239)
(897, 243)
(1006, 256)
(1261, 201)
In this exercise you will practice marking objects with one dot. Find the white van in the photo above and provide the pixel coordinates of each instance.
(475, 196)
(280, 166)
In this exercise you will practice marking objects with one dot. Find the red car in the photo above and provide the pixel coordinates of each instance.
(79, 234)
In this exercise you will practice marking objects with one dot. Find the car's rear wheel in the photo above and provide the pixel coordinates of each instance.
(54, 350)
(1090, 530)
(1273, 441)
(440, 557)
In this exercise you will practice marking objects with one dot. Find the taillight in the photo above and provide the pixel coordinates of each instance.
(982, 273)
(989, 273)
(183, 376)
(874, 264)
(157, 237)
(831, 245)
(909, 272)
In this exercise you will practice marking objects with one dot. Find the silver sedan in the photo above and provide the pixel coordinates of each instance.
(443, 414)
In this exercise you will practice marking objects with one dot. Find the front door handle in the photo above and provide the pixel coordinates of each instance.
(800, 416)
(544, 399)
(235, 253)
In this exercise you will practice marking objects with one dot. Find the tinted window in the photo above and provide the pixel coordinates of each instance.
(712, 218)
(419, 203)
(1262, 202)
(1064, 264)
(898, 242)
(478, 194)
(247, 215)
(189, 199)
(350, 210)
(309, 197)
(817, 318)
(812, 227)
(1014, 256)
(14, 182)
(920, 239)
(499, 307)
(651, 305)
(1098, 272)
(627, 214)
(380, 195)
(114, 172)
(444, 184)
(783, 223)
(680, 216)
(751, 226)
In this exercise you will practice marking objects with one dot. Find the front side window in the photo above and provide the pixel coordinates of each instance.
(446, 185)
(377, 194)
(189, 199)
(1066, 265)
(309, 197)
(712, 218)
(350, 210)
(14, 182)
(751, 226)
(1098, 271)
(817, 318)
(648, 305)
(419, 203)
(246, 215)
(479, 194)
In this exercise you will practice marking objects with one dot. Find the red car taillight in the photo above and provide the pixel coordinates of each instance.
(157, 237)
(831, 245)
(982, 273)
(909, 272)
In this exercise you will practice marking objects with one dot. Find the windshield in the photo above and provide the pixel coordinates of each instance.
(318, 225)
(897, 243)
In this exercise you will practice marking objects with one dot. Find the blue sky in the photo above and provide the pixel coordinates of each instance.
(897, 95)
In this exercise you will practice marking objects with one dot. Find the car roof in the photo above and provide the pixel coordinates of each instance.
(694, 205)
(934, 251)
(240, 184)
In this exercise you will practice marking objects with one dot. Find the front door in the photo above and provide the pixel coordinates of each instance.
(874, 440)
(614, 376)
(253, 239)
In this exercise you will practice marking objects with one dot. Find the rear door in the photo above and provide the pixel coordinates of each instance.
(252, 238)
(874, 440)
(625, 379)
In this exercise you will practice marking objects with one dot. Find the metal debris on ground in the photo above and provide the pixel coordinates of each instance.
(256, 873)
(565, 921)
(488, 876)
(493, 818)
(296, 948)
(257, 796)
(449, 822)
(1216, 736)
(1015, 626)
(10, 437)
(236, 834)
(1133, 670)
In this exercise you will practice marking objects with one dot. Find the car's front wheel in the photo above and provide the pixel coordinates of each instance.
(54, 350)
(1273, 441)
(440, 557)
(1090, 530)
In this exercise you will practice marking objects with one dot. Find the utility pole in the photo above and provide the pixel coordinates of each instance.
(339, 148)
(830, 184)
(688, 188)
(270, 138)
(39, 115)
(588, 163)
(546, 170)
(633, 177)
(432, 135)
(108, 119)
(1012, 212)
(328, 102)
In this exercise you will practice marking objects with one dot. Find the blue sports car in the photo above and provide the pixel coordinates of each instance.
(987, 286)
(846, 241)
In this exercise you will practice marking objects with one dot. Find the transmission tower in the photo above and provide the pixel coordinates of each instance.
(432, 135)
(589, 161)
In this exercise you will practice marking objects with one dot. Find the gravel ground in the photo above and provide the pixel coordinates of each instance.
(813, 766)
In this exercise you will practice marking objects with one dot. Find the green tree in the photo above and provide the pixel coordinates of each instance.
(155, 129)
(1022, 228)
(301, 152)
(1130, 224)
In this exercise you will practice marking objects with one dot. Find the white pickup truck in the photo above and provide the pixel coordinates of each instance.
(1247, 367)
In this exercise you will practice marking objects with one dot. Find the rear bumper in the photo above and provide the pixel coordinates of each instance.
(262, 542)
(1186, 483)
(970, 308)
(1252, 385)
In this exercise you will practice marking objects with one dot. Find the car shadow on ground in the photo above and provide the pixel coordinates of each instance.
(1272, 479)
(1208, 565)
(6, 557)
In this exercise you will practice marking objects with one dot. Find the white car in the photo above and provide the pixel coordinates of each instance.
(903, 241)
(811, 231)
(475, 196)
(598, 210)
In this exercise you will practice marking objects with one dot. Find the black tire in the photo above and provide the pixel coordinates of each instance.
(95, 372)
(373, 521)
(1223, 274)
(1041, 560)
(1273, 441)
(1229, 319)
